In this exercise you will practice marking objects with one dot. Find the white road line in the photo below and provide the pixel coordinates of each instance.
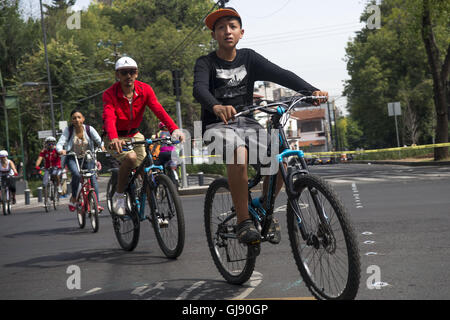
(140, 291)
(93, 290)
(255, 280)
(189, 290)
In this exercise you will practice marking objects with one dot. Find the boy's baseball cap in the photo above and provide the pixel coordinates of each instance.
(220, 13)
(126, 63)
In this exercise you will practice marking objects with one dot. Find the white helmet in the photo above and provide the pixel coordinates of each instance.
(126, 63)
(3, 153)
(50, 139)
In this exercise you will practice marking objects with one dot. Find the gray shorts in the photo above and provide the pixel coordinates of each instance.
(223, 139)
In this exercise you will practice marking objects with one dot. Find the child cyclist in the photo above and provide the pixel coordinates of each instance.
(52, 162)
(223, 84)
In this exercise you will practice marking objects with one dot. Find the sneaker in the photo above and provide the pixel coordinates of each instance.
(274, 232)
(118, 201)
(60, 191)
(247, 233)
(163, 223)
(72, 206)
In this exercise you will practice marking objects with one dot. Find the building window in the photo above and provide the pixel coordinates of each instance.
(311, 126)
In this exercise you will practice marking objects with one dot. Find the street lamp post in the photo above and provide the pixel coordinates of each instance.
(48, 71)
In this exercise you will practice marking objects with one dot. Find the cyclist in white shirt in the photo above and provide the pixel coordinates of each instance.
(7, 165)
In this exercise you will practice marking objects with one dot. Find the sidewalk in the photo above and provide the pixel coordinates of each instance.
(192, 189)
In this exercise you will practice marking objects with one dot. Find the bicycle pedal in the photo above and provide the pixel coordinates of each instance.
(163, 223)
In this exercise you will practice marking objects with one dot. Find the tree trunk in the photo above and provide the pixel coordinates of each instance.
(440, 75)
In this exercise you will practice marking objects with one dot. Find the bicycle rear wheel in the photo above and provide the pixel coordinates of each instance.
(235, 261)
(168, 220)
(93, 210)
(329, 259)
(127, 227)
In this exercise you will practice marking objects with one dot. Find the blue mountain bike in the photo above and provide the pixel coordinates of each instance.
(321, 236)
(148, 183)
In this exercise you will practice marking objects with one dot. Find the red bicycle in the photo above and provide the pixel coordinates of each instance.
(87, 202)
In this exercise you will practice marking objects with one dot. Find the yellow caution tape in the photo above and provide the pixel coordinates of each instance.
(425, 146)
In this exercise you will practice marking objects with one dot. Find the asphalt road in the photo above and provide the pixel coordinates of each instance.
(400, 213)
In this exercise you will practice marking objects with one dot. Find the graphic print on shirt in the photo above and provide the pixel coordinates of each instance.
(233, 82)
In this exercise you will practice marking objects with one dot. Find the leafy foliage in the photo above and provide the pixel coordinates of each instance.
(82, 60)
(390, 64)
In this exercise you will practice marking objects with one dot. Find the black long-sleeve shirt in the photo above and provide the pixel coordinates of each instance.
(217, 81)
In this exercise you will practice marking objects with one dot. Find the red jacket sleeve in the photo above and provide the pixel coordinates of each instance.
(159, 111)
(109, 116)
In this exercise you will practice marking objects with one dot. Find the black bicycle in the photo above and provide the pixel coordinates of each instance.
(164, 210)
(321, 236)
(51, 194)
(5, 194)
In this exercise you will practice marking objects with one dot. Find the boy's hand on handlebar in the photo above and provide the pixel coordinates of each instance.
(62, 153)
(177, 134)
(318, 102)
(224, 113)
(116, 144)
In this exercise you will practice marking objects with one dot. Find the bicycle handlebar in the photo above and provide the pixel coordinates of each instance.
(167, 140)
(288, 104)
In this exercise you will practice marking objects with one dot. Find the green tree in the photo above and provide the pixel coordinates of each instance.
(438, 12)
(390, 64)
(66, 61)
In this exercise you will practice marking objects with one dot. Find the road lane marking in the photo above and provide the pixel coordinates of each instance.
(93, 290)
(255, 280)
(186, 292)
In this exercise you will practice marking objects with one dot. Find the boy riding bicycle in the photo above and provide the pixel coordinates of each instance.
(223, 84)
(123, 110)
(52, 163)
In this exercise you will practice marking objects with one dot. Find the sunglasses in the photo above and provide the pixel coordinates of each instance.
(131, 72)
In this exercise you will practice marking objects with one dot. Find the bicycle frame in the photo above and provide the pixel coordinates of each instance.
(147, 169)
(85, 186)
(285, 151)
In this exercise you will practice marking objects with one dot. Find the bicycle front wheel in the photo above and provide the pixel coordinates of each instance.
(46, 198)
(235, 261)
(93, 210)
(328, 259)
(4, 203)
(8, 201)
(55, 195)
(110, 189)
(168, 217)
(127, 227)
(81, 216)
